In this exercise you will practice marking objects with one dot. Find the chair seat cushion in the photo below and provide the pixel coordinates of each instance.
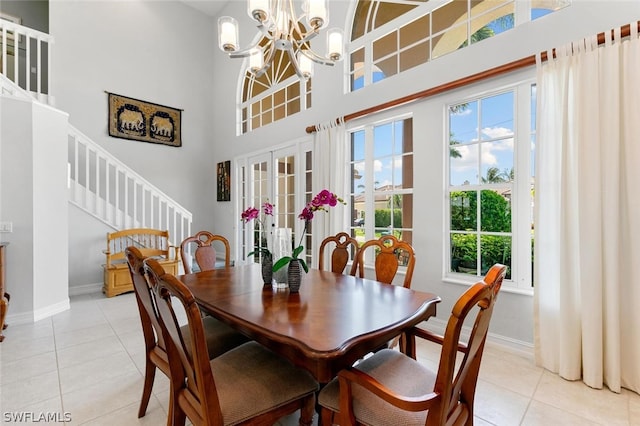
(391, 368)
(252, 380)
(220, 336)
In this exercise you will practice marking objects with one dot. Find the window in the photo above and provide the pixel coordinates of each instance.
(275, 95)
(490, 185)
(382, 180)
(389, 37)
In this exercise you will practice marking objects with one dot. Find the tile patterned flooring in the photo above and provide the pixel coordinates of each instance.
(89, 362)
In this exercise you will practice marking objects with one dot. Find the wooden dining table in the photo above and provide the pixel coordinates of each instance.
(333, 321)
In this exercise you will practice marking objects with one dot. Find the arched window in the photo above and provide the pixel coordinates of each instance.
(276, 94)
(389, 37)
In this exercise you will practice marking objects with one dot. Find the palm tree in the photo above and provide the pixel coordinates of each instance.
(494, 175)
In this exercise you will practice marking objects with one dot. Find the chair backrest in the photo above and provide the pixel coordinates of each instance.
(190, 368)
(481, 297)
(390, 253)
(146, 306)
(346, 248)
(205, 251)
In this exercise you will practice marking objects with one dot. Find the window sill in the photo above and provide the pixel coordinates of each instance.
(507, 286)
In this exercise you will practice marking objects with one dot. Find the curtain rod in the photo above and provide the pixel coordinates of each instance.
(625, 31)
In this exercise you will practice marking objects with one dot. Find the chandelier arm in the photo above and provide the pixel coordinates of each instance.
(268, 60)
(311, 54)
(247, 51)
(294, 63)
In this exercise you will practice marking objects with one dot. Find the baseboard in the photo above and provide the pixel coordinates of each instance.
(32, 316)
(17, 319)
(509, 344)
(51, 310)
(79, 290)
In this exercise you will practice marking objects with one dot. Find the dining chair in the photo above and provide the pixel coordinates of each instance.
(204, 254)
(389, 253)
(219, 336)
(391, 387)
(345, 248)
(247, 385)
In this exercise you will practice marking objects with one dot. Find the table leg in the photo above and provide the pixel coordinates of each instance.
(4, 304)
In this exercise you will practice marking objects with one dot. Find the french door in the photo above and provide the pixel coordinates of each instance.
(283, 178)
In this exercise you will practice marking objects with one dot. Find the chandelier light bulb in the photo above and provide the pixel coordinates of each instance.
(335, 44)
(317, 13)
(228, 34)
(306, 65)
(260, 10)
(256, 60)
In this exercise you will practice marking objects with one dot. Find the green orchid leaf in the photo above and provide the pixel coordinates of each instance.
(263, 250)
(304, 265)
(281, 262)
(297, 251)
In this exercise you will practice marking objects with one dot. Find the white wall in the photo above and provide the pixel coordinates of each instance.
(157, 51)
(33, 187)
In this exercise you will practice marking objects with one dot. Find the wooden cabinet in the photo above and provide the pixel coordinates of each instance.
(4, 297)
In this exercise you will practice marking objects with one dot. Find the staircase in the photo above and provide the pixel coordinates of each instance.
(99, 183)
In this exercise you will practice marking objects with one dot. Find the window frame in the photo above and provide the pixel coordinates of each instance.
(521, 197)
(369, 210)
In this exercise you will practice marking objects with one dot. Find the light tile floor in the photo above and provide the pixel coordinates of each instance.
(88, 362)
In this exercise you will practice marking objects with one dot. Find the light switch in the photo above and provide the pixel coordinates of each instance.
(6, 226)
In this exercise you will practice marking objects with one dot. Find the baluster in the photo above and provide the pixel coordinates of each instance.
(28, 63)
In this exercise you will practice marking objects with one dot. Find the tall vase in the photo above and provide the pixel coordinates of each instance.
(294, 276)
(267, 269)
(281, 248)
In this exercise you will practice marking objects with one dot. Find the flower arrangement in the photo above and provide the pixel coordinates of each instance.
(252, 213)
(322, 201)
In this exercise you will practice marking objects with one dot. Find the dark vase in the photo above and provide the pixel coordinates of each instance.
(267, 269)
(294, 276)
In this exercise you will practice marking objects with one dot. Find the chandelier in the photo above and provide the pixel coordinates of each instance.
(282, 29)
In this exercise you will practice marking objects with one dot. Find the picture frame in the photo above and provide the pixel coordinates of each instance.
(224, 181)
(144, 121)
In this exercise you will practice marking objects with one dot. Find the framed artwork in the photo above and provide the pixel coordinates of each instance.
(224, 181)
(144, 121)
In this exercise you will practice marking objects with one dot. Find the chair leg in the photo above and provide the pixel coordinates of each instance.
(307, 410)
(149, 376)
(176, 417)
(326, 417)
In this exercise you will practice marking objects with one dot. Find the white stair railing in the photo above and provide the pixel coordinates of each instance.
(112, 192)
(25, 58)
(109, 190)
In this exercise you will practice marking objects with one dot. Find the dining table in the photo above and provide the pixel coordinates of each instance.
(332, 321)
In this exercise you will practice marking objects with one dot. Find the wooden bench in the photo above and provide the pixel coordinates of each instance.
(151, 242)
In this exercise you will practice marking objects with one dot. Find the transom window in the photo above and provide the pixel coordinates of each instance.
(389, 37)
(275, 95)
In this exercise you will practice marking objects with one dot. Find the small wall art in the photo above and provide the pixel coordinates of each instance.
(224, 181)
(144, 121)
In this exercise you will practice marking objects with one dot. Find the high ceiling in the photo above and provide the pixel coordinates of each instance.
(210, 7)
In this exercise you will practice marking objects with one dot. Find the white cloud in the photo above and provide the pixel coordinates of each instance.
(497, 132)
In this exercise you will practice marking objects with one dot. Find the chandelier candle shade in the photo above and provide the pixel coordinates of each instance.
(282, 29)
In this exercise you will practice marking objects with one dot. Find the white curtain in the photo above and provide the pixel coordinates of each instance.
(587, 208)
(330, 150)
